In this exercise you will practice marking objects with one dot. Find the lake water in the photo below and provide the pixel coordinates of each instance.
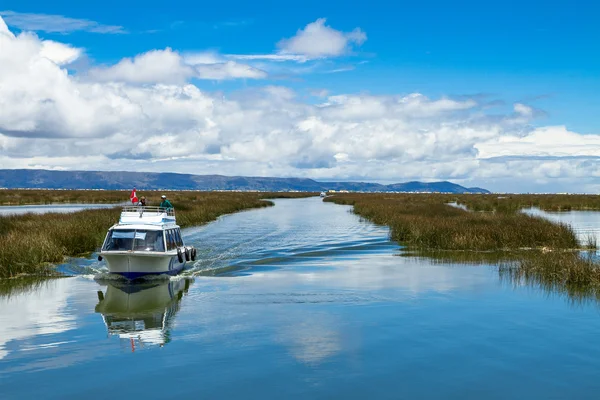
(49, 208)
(585, 223)
(300, 300)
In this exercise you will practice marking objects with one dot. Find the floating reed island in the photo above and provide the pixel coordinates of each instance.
(31, 244)
(527, 248)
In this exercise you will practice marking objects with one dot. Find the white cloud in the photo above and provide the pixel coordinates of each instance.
(60, 53)
(523, 110)
(4, 29)
(165, 66)
(206, 57)
(318, 40)
(228, 70)
(55, 23)
(310, 45)
(550, 141)
(170, 67)
(270, 57)
(50, 119)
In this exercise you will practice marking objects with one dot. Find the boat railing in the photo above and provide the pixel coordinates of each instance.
(170, 211)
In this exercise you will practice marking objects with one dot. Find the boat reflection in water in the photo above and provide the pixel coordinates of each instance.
(141, 314)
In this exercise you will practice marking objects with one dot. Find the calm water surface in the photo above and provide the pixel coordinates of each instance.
(585, 223)
(301, 300)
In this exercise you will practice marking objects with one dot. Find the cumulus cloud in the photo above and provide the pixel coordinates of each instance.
(60, 53)
(51, 119)
(315, 41)
(164, 66)
(523, 110)
(55, 23)
(318, 40)
(170, 67)
(4, 29)
(550, 141)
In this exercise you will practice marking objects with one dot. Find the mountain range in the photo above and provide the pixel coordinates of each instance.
(46, 179)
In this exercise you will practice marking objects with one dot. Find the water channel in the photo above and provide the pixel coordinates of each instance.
(300, 300)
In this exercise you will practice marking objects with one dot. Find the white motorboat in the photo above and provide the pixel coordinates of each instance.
(145, 241)
(323, 194)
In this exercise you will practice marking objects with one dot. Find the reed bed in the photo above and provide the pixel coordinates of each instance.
(11, 197)
(427, 223)
(516, 202)
(528, 250)
(567, 273)
(30, 243)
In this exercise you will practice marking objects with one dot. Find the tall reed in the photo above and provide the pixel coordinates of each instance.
(558, 272)
(528, 249)
(428, 223)
(515, 202)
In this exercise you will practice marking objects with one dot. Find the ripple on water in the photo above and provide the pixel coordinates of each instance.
(298, 230)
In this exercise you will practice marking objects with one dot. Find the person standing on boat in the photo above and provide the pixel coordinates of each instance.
(165, 203)
(142, 201)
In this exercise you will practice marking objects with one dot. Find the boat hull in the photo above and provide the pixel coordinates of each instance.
(134, 266)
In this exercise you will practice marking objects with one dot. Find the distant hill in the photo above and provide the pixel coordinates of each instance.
(44, 179)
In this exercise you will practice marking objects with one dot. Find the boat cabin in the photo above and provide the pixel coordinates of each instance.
(144, 229)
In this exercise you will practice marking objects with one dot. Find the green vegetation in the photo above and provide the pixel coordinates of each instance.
(11, 197)
(427, 223)
(30, 243)
(515, 202)
(556, 272)
(528, 249)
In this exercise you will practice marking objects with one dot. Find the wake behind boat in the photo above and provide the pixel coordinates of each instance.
(146, 241)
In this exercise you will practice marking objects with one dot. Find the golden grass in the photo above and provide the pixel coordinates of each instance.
(426, 222)
(36, 196)
(515, 202)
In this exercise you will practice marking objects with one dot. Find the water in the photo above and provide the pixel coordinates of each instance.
(307, 301)
(49, 208)
(586, 224)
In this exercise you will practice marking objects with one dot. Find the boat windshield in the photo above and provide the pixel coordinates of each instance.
(134, 239)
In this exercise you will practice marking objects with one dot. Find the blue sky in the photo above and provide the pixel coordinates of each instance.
(517, 50)
(543, 54)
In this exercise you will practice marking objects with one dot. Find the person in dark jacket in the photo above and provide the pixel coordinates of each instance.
(165, 203)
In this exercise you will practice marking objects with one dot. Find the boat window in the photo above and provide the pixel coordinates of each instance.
(171, 244)
(119, 240)
(148, 241)
(178, 237)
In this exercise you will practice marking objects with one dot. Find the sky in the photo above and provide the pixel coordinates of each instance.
(502, 95)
